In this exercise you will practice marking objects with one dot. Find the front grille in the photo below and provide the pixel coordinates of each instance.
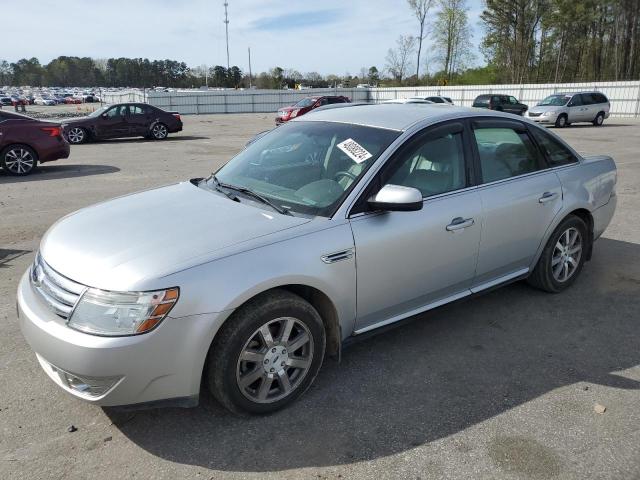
(59, 293)
(535, 114)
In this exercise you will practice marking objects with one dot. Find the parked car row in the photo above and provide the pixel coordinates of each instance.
(559, 109)
(25, 142)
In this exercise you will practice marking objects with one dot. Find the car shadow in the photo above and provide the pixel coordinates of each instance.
(171, 138)
(447, 370)
(55, 172)
(8, 255)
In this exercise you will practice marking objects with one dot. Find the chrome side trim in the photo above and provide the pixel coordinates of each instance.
(499, 280)
(337, 256)
(415, 311)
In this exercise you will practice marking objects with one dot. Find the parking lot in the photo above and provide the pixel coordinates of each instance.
(500, 386)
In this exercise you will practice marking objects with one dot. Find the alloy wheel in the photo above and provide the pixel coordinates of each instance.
(275, 360)
(19, 161)
(159, 131)
(76, 135)
(566, 255)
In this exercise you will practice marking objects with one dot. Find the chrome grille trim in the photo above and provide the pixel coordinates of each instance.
(59, 293)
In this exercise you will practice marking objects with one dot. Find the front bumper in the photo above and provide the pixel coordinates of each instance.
(164, 364)
(543, 118)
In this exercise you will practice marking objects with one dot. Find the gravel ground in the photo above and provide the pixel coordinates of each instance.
(503, 386)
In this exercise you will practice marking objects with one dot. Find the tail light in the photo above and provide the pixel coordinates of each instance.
(177, 115)
(52, 131)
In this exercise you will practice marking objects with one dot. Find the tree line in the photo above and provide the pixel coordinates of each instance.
(523, 41)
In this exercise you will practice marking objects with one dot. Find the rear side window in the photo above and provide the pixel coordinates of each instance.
(482, 100)
(557, 154)
(135, 110)
(587, 99)
(333, 100)
(505, 153)
(599, 98)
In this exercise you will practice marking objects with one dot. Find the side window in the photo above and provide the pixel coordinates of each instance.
(587, 99)
(323, 101)
(600, 98)
(135, 110)
(505, 153)
(434, 165)
(113, 112)
(513, 101)
(557, 154)
(496, 100)
(335, 100)
(575, 101)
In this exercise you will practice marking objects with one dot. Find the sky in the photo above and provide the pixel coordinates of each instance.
(332, 36)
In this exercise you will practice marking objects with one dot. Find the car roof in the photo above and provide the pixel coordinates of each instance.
(396, 116)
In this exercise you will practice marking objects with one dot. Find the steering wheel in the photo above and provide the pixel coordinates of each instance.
(341, 174)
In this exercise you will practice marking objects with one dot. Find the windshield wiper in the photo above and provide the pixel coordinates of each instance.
(251, 193)
(217, 185)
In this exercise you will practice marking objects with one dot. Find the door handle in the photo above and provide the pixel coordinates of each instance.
(459, 223)
(547, 197)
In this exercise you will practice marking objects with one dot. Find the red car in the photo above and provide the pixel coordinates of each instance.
(25, 141)
(306, 105)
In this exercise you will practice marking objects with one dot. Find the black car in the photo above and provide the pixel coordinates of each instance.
(123, 120)
(501, 103)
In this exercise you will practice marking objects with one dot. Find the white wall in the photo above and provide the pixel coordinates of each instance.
(624, 96)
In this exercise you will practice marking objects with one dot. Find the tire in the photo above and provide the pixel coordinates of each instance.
(159, 131)
(77, 135)
(599, 120)
(18, 160)
(546, 275)
(252, 372)
(561, 121)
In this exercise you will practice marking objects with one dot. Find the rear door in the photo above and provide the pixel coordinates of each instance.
(520, 199)
(137, 120)
(407, 261)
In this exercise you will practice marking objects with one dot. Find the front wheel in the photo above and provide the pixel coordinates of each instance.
(267, 354)
(563, 256)
(561, 121)
(159, 131)
(77, 135)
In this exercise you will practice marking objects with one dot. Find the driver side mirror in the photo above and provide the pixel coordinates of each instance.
(104, 115)
(396, 198)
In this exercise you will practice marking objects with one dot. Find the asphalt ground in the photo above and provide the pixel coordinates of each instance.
(502, 386)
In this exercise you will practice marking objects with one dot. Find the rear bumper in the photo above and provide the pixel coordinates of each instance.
(162, 365)
(56, 150)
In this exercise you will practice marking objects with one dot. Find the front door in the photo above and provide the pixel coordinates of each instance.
(576, 109)
(409, 261)
(519, 199)
(113, 123)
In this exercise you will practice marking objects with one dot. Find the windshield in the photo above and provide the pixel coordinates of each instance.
(555, 100)
(305, 102)
(306, 167)
(99, 111)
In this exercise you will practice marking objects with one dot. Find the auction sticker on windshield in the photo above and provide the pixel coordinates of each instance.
(354, 150)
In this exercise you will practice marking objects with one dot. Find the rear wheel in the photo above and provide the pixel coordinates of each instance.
(599, 120)
(267, 354)
(18, 160)
(159, 131)
(563, 256)
(561, 121)
(77, 135)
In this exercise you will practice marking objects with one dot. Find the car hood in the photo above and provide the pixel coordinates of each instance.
(545, 108)
(121, 243)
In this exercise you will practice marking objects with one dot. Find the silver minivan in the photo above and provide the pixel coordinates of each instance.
(562, 109)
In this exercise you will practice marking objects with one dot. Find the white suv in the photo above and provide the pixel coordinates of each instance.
(562, 109)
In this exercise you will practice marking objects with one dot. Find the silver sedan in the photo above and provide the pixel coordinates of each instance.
(333, 225)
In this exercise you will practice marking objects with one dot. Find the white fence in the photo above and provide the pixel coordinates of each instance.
(624, 96)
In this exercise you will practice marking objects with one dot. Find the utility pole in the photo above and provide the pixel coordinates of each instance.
(226, 28)
(249, 48)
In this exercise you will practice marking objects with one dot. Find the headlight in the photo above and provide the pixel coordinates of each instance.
(99, 312)
(294, 113)
(549, 113)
